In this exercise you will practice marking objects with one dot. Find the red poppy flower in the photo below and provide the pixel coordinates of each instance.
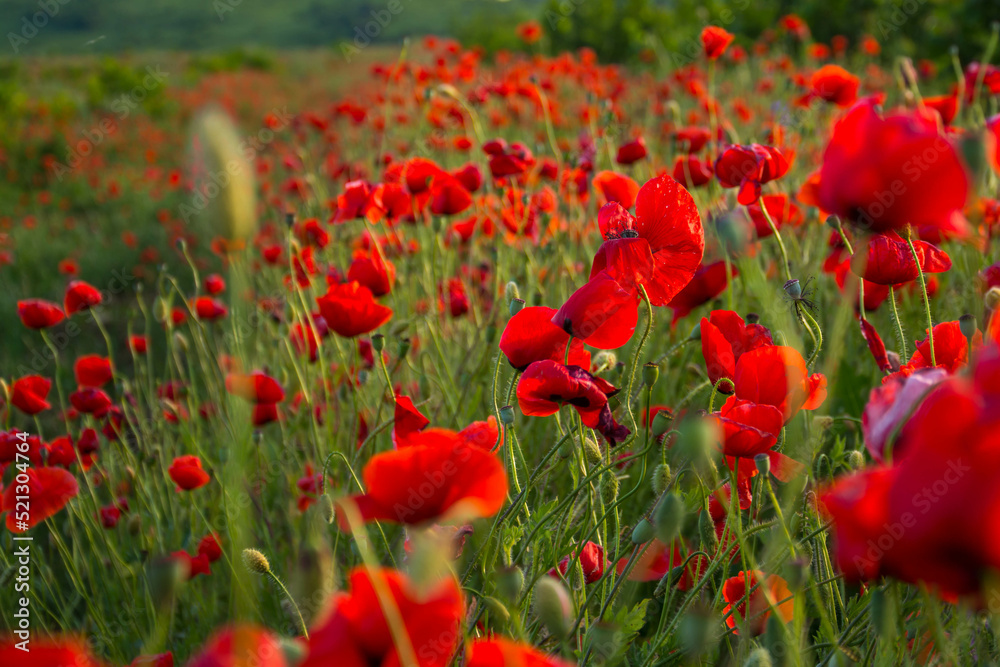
(193, 565)
(660, 247)
(631, 152)
(264, 413)
(692, 172)
(445, 480)
(767, 592)
(748, 168)
(39, 314)
(210, 548)
(615, 187)
(875, 344)
(501, 652)
(209, 309)
(546, 385)
(240, 645)
(951, 349)
(834, 84)
(780, 207)
(214, 284)
(49, 489)
(511, 161)
(531, 336)
(709, 281)
(725, 337)
(889, 260)
(187, 473)
(592, 560)
(418, 173)
(351, 310)
(47, 652)
(81, 296)
(657, 559)
(90, 400)
(692, 139)
(715, 41)
(139, 344)
(88, 442)
(929, 517)
(352, 631)
(351, 203)
(9, 449)
(28, 394)
(448, 195)
(109, 516)
(458, 298)
(885, 173)
(92, 370)
(257, 387)
(601, 313)
(470, 176)
(945, 105)
(61, 452)
(407, 420)
(890, 404)
(374, 272)
(992, 141)
(777, 375)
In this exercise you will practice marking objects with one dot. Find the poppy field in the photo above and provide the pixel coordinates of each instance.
(419, 357)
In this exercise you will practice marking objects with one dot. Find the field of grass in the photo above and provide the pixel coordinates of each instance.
(420, 359)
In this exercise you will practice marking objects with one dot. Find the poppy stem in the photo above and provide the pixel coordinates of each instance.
(715, 390)
(635, 361)
(302, 622)
(777, 236)
(900, 337)
(923, 288)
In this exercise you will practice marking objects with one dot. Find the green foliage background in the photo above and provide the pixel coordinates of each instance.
(616, 29)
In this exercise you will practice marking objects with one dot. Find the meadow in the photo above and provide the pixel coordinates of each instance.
(406, 355)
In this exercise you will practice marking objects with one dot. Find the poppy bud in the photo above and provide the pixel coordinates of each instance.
(604, 360)
(822, 422)
(992, 298)
(968, 326)
(553, 606)
(566, 450)
(255, 561)
(643, 532)
(695, 332)
(661, 423)
(592, 452)
(515, 306)
(668, 517)
(510, 582)
(706, 530)
(759, 657)
(404, 347)
(833, 222)
(823, 468)
(752, 318)
(511, 291)
(763, 463)
(378, 342)
(609, 487)
(289, 218)
(327, 508)
(793, 288)
(650, 374)
(507, 415)
(498, 612)
(661, 478)
(855, 460)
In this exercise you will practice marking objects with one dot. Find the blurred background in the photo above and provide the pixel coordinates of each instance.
(617, 30)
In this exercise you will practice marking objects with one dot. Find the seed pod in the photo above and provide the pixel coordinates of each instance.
(650, 374)
(593, 452)
(661, 422)
(763, 463)
(515, 306)
(327, 508)
(507, 415)
(498, 612)
(609, 487)
(378, 342)
(759, 657)
(967, 325)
